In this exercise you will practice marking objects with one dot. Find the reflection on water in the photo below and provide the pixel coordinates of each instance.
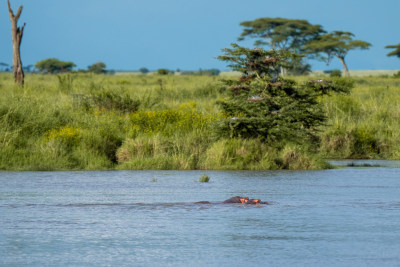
(345, 216)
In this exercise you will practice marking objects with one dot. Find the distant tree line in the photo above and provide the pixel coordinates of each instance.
(53, 65)
(200, 72)
(8, 68)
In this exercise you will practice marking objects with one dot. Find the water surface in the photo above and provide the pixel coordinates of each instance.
(339, 217)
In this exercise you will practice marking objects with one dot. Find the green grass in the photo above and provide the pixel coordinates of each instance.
(364, 124)
(99, 122)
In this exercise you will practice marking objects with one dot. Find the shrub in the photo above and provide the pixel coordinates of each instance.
(63, 139)
(112, 100)
(263, 105)
(98, 68)
(162, 71)
(143, 70)
(169, 121)
(335, 73)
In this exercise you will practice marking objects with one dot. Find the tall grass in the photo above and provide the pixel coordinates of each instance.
(88, 121)
(364, 124)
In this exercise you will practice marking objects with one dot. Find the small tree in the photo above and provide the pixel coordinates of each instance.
(16, 33)
(395, 52)
(335, 44)
(53, 65)
(263, 105)
(144, 70)
(98, 68)
(162, 72)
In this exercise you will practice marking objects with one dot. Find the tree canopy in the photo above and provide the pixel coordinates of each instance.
(144, 70)
(280, 33)
(263, 105)
(53, 65)
(335, 44)
(99, 67)
(395, 52)
(283, 34)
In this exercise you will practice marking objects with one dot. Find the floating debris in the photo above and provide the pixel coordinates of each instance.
(204, 178)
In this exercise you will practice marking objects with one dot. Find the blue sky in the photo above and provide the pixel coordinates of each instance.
(185, 34)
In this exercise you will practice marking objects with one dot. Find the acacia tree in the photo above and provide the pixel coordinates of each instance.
(98, 68)
(53, 65)
(281, 34)
(395, 52)
(264, 105)
(335, 44)
(16, 33)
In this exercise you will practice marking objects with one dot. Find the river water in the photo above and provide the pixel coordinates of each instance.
(341, 217)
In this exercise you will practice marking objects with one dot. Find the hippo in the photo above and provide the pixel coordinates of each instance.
(244, 200)
(236, 200)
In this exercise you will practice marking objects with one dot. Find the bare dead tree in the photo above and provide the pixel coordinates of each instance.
(16, 33)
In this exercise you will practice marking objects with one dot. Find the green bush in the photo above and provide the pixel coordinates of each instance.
(112, 100)
(336, 73)
(263, 105)
(143, 70)
(185, 118)
(162, 71)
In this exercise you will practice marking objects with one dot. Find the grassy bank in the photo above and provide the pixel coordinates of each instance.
(86, 122)
(364, 124)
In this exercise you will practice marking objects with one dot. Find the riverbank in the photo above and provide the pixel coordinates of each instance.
(92, 122)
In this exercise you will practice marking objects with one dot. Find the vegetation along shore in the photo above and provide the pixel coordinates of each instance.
(96, 121)
(270, 116)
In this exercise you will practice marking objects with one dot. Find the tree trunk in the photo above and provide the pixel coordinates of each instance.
(283, 71)
(16, 33)
(346, 70)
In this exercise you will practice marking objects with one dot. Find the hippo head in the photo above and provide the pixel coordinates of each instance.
(244, 199)
(253, 201)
